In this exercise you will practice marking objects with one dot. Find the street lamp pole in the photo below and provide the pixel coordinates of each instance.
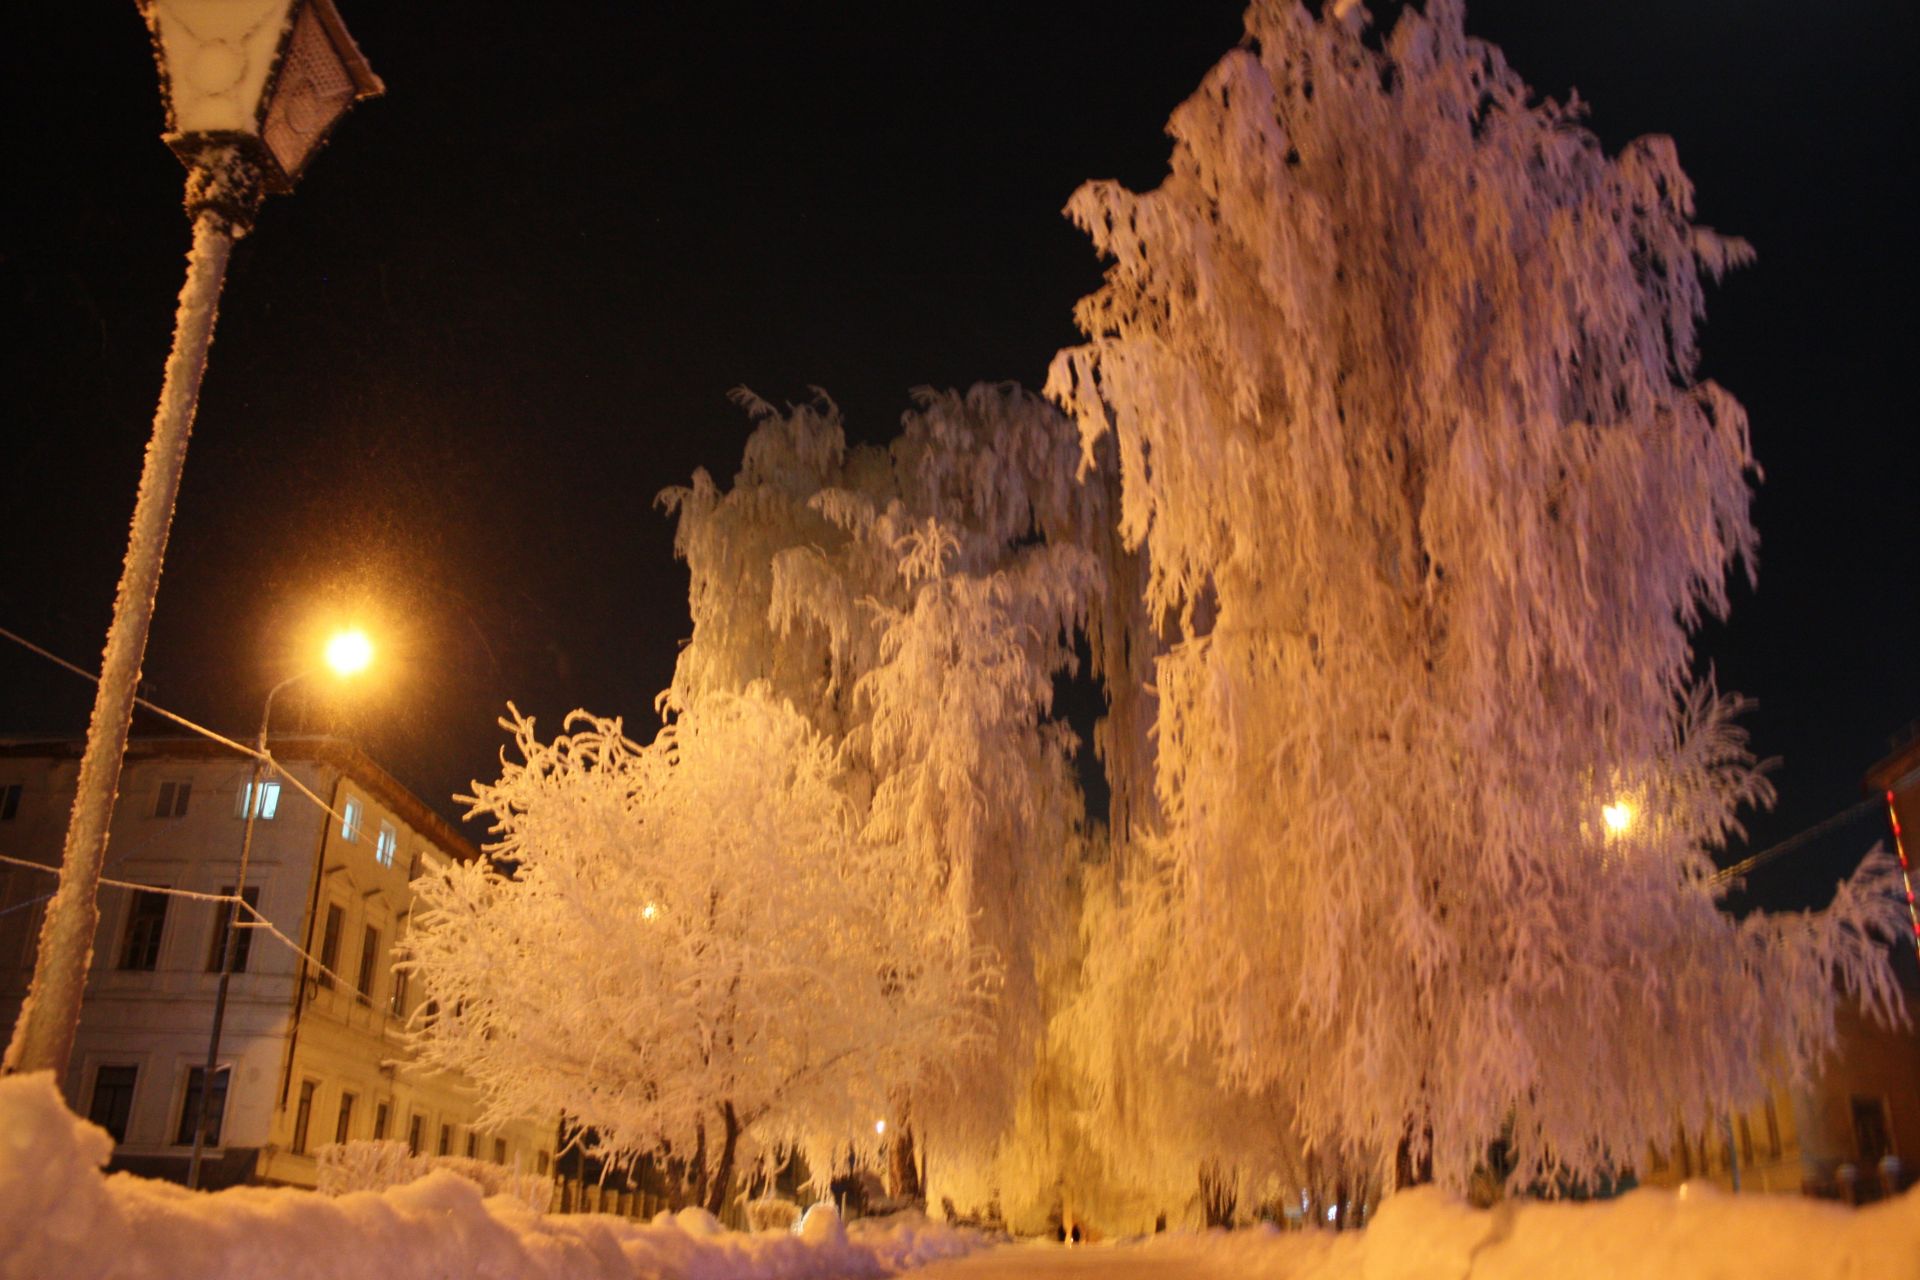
(228, 950)
(252, 88)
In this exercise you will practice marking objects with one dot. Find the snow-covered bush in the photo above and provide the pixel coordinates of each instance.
(363, 1165)
(771, 1213)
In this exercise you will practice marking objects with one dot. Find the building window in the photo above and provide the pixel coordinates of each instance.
(499, 1150)
(146, 919)
(303, 1117)
(386, 844)
(216, 1106)
(413, 1134)
(413, 866)
(399, 993)
(446, 1138)
(9, 801)
(380, 1123)
(330, 944)
(269, 803)
(1773, 1131)
(113, 1100)
(350, 820)
(369, 963)
(243, 940)
(344, 1124)
(1870, 1130)
(172, 800)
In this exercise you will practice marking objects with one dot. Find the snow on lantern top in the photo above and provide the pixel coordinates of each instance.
(268, 77)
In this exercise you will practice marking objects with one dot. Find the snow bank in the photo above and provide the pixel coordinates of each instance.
(1694, 1234)
(59, 1216)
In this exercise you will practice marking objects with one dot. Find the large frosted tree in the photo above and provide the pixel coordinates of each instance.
(915, 603)
(1400, 369)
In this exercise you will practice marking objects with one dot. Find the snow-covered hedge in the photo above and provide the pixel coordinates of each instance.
(61, 1217)
(376, 1166)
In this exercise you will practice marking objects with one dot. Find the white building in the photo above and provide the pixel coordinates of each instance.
(305, 1059)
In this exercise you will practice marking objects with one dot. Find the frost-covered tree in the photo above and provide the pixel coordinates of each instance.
(1400, 370)
(687, 945)
(915, 603)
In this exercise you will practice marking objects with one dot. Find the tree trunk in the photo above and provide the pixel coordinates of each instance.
(903, 1173)
(723, 1171)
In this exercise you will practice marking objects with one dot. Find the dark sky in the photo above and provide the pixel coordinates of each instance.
(506, 307)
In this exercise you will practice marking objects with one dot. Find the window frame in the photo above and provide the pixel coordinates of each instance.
(302, 1134)
(369, 973)
(386, 844)
(222, 913)
(269, 803)
(190, 1105)
(132, 1089)
(171, 798)
(343, 1122)
(333, 927)
(135, 919)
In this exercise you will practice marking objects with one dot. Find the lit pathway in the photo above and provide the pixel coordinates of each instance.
(1087, 1262)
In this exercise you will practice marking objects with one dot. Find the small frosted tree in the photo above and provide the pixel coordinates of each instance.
(1399, 367)
(687, 946)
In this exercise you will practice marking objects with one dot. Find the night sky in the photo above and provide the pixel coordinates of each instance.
(507, 304)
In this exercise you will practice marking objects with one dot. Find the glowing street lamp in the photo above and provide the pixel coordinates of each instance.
(1618, 817)
(252, 88)
(347, 653)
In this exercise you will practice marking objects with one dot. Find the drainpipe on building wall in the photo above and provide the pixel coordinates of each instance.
(306, 941)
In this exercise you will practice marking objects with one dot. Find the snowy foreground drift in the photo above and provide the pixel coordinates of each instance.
(60, 1217)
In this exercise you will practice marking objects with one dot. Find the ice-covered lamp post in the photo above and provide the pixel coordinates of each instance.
(252, 88)
(348, 654)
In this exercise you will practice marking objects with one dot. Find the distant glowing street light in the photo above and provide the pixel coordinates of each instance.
(880, 1127)
(252, 88)
(347, 653)
(1618, 816)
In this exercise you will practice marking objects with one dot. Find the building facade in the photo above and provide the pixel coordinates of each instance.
(312, 1052)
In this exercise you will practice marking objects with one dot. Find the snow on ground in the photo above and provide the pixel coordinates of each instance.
(61, 1218)
(1423, 1235)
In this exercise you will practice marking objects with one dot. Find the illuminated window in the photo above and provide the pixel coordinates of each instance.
(172, 800)
(385, 846)
(268, 805)
(350, 820)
